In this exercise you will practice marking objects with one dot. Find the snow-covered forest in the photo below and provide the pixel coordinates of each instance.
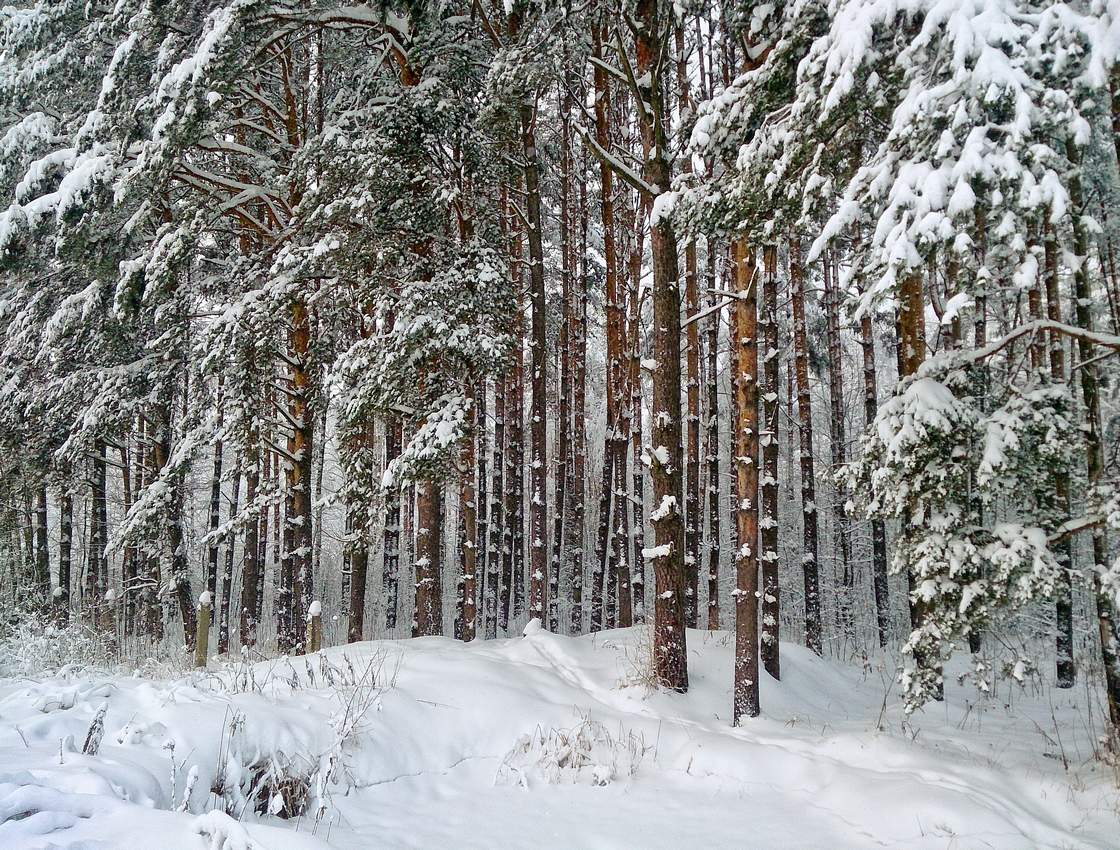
(408, 404)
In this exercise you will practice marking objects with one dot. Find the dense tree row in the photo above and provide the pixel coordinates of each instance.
(481, 313)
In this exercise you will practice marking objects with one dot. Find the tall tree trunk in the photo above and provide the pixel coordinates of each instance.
(601, 571)
(746, 470)
(1063, 591)
(227, 569)
(1090, 392)
(297, 579)
(180, 581)
(693, 519)
(391, 536)
(768, 436)
(253, 563)
(808, 474)
(912, 350)
(428, 619)
(482, 500)
(96, 582)
(564, 354)
(65, 551)
(42, 553)
(468, 613)
(712, 456)
(578, 489)
(215, 510)
(498, 524)
(513, 565)
(670, 653)
(638, 490)
(878, 527)
(838, 439)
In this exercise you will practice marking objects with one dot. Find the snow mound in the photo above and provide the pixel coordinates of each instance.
(434, 743)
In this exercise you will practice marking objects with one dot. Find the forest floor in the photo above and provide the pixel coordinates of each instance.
(540, 741)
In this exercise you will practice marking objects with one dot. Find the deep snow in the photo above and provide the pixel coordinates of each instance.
(441, 744)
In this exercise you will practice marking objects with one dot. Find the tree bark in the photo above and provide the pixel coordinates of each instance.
(428, 618)
(1063, 590)
(809, 565)
(1090, 393)
(227, 569)
(878, 527)
(391, 536)
(746, 700)
(768, 485)
(670, 653)
(65, 552)
(838, 440)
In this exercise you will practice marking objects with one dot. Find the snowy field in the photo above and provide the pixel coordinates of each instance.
(540, 741)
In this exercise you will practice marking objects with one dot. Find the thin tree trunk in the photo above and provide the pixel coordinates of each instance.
(693, 519)
(746, 700)
(838, 440)
(482, 500)
(297, 579)
(810, 568)
(96, 580)
(253, 564)
(227, 570)
(42, 553)
(428, 619)
(578, 489)
(768, 436)
(468, 612)
(65, 551)
(1063, 591)
(912, 348)
(498, 524)
(1090, 392)
(670, 652)
(391, 536)
(878, 527)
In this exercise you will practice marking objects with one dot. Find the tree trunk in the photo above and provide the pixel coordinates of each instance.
(538, 412)
(180, 581)
(808, 474)
(468, 613)
(638, 489)
(578, 489)
(297, 579)
(391, 539)
(253, 564)
(878, 527)
(838, 440)
(227, 570)
(746, 702)
(498, 524)
(1063, 590)
(614, 355)
(482, 501)
(96, 580)
(428, 619)
(1090, 393)
(693, 519)
(65, 551)
(768, 436)
(42, 553)
(912, 349)
(670, 653)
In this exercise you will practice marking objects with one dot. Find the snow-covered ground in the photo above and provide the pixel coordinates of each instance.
(540, 741)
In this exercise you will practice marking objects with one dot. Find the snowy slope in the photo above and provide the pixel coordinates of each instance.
(433, 743)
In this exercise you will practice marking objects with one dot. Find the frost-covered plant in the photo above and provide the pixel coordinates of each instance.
(584, 755)
(938, 458)
(33, 645)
